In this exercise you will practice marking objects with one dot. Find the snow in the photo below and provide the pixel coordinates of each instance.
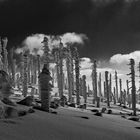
(68, 124)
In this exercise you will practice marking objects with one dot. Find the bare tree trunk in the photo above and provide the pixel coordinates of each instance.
(94, 81)
(1, 63)
(25, 80)
(61, 71)
(5, 40)
(120, 81)
(132, 64)
(107, 88)
(84, 89)
(110, 87)
(77, 73)
(105, 92)
(69, 78)
(116, 82)
(100, 86)
(114, 96)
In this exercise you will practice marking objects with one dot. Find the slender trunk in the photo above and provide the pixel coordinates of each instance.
(116, 82)
(107, 88)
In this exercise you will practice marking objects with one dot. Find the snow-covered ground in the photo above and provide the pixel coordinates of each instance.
(68, 125)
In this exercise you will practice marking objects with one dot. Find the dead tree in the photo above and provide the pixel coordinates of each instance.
(56, 56)
(13, 66)
(139, 82)
(127, 86)
(25, 78)
(110, 87)
(35, 69)
(94, 81)
(120, 82)
(71, 68)
(84, 89)
(77, 74)
(81, 87)
(114, 97)
(29, 69)
(38, 64)
(116, 83)
(105, 95)
(1, 62)
(132, 74)
(61, 69)
(100, 85)
(45, 88)
(32, 69)
(124, 97)
(128, 94)
(68, 64)
(5, 59)
(38, 69)
(44, 79)
(107, 88)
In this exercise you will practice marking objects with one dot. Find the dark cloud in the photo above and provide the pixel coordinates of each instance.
(112, 26)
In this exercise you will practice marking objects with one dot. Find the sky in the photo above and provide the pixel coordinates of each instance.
(111, 27)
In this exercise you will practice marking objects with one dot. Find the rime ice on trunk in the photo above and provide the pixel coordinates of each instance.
(45, 88)
(25, 77)
(116, 83)
(70, 75)
(21, 71)
(13, 66)
(81, 87)
(72, 71)
(84, 88)
(94, 81)
(14, 72)
(44, 79)
(38, 69)
(53, 77)
(1, 63)
(29, 69)
(127, 85)
(100, 86)
(105, 92)
(32, 68)
(35, 69)
(69, 78)
(107, 88)
(124, 97)
(56, 54)
(114, 97)
(77, 74)
(110, 87)
(38, 64)
(128, 95)
(120, 81)
(132, 64)
(5, 60)
(18, 81)
(61, 70)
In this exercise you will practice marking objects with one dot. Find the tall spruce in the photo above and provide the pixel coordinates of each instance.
(132, 74)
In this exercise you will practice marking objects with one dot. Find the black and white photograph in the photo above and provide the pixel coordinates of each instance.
(69, 69)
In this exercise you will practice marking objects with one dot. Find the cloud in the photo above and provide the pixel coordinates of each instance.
(85, 63)
(124, 58)
(34, 46)
(73, 38)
